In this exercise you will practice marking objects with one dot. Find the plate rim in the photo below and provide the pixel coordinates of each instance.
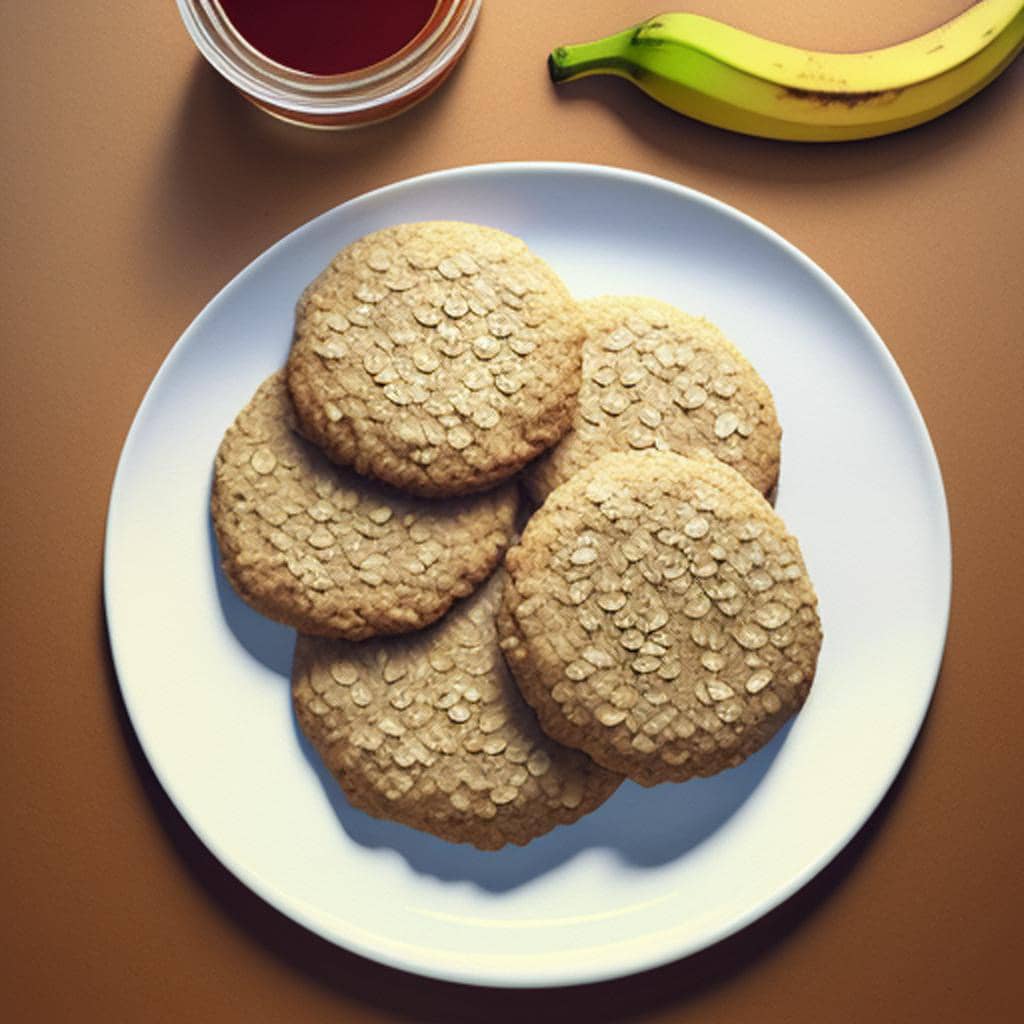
(654, 949)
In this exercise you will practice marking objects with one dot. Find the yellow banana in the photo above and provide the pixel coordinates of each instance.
(736, 80)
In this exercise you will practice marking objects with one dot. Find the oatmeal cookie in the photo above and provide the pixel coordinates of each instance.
(430, 730)
(660, 617)
(439, 357)
(320, 548)
(656, 378)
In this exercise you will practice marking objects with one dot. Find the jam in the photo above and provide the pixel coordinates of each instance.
(328, 37)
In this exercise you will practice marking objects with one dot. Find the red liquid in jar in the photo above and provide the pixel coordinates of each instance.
(328, 37)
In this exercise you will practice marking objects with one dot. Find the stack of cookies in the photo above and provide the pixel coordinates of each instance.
(655, 620)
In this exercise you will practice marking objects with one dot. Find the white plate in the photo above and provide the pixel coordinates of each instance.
(654, 874)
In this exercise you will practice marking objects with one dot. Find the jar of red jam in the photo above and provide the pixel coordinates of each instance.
(332, 63)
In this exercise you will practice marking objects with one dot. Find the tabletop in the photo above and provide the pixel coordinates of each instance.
(139, 183)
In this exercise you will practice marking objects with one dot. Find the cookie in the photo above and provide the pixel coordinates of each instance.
(329, 552)
(439, 357)
(656, 378)
(659, 617)
(430, 730)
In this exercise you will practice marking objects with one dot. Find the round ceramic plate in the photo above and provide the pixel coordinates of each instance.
(655, 874)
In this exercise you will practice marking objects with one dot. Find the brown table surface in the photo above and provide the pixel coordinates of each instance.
(138, 183)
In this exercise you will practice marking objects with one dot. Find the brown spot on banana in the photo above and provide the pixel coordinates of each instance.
(847, 99)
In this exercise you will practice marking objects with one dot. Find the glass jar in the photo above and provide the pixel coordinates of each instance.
(348, 100)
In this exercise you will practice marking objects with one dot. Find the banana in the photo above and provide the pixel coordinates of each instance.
(736, 80)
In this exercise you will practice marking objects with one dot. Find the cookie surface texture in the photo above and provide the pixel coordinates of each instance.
(659, 617)
(439, 357)
(320, 548)
(430, 730)
(657, 378)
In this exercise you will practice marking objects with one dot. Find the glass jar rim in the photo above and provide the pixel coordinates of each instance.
(361, 91)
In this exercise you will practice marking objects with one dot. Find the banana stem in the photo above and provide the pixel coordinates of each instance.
(566, 63)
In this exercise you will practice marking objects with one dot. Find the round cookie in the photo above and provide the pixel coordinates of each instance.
(659, 617)
(439, 357)
(654, 377)
(430, 730)
(329, 552)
